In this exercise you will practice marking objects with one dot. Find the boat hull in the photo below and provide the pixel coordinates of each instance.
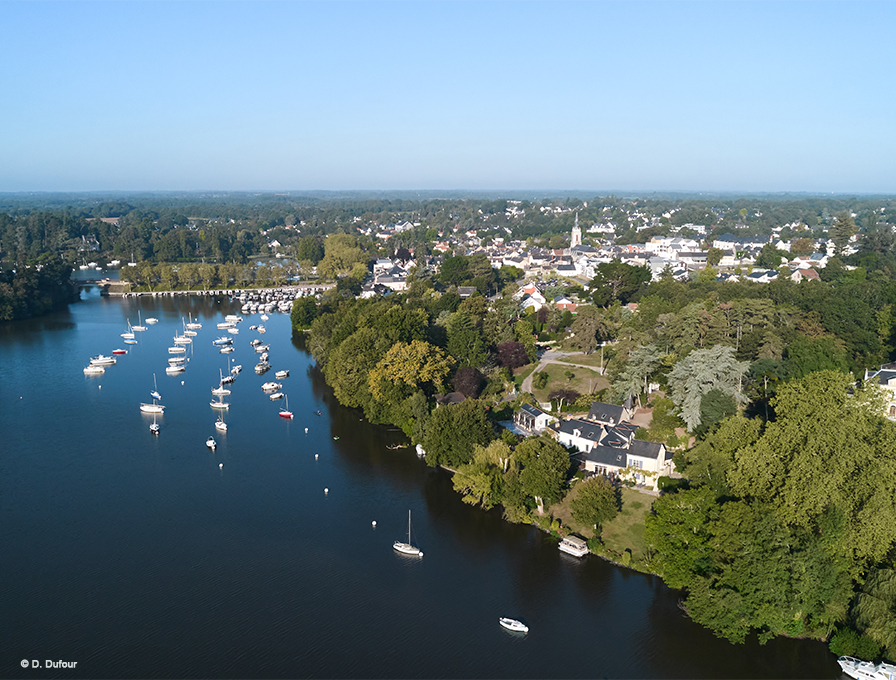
(407, 549)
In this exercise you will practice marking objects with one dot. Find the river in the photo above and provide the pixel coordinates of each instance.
(141, 556)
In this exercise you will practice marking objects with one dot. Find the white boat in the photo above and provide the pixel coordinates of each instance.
(227, 349)
(236, 369)
(192, 325)
(865, 670)
(255, 343)
(514, 625)
(233, 331)
(225, 325)
(408, 548)
(129, 334)
(94, 370)
(155, 389)
(221, 405)
(220, 425)
(177, 349)
(259, 349)
(276, 395)
(130, 341)
(420, 451)
(262, 329)
(233, 318)
(264, 317)
(175, 369)
(211, 443)
(150, 320)
(190, 334)
(262, 367)
(271, 386)
(220, 390)
(281, 374)
(100, 360)
(139, 326)
(152, 408)
(573, 545)
(223, 340)
(154, 428)
(182, 340)
(175, 361)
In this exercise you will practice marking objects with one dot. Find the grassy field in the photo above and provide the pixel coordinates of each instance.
(584, 381)
(626, 531)
(592, 359)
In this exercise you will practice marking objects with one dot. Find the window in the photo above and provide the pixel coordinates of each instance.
(634, 462)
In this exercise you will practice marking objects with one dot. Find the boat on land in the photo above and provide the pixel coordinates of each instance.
(865, 670)
(100, 360)
(94, 370)
(211, 443)
(408, 548)
(514, 625)
(573, 545)
(284, 411)
(119, 351)
(281, 374)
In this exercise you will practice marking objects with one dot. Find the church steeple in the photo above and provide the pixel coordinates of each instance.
(576, 239)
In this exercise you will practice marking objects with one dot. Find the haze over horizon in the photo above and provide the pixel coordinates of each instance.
(474, 96)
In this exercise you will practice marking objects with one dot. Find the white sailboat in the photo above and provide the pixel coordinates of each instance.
(154, 407)
(220, 404)
(220, 425)
(193, 325)
(129, 334)
(139, 326)
(408, 548)
(220, 390)
(155, 389)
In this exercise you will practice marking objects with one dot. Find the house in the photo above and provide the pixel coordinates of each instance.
(532, 419)
(564, 304)
(885, 376)
(807, 274)
(608, 414)
(466, 291)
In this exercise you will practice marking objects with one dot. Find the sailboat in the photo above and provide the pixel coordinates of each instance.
(220, 425)
(155, 389)
(408, 548)
(154, 407)
(193, 325)
(220, 390)
(129, 335)
(154, 428)
(220, 404)
(285, 412)
(139, 326)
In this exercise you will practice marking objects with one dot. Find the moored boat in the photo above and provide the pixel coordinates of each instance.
(151, 320)
(513, 624)
(281, 374)
(177, 349)
(271, 386)
(100, 360)
(152, 408)
(276, 395)
(94, 370)
(407, 548)
(175, 369)
(865, 670)
(211, 443)
(119, 351)
(573, 545)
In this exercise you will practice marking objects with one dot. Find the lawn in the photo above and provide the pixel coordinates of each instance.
(626, 531)
(592, 359)
(584, 381)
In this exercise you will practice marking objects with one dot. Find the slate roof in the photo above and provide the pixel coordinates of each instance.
(645, 449)
(605, 413)
(533, 411)
(587, 430)
(607, 455)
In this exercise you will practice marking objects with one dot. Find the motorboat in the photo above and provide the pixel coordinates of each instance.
(271, 386)
(514, 625)
(281, 374)
(224, 325)
(262, 367)
(150, 320)
(211, 443)
(94, 370)
(421, 452)
(233, 318)
(177, 349)
(253, 328)
(573, 545)
(262, 329)
(233, 331)
(264, 317)
(130, 341)
(865, 670)
(119, 351)
(227, 349)
(174, 370)
(264, 356)
(100, 360)
(276, 395)
(152, 408)
(236, 369)
(261, 348)
(223, 340)
(255, 343)
(284, 411)
(227, 379)
(408, 548)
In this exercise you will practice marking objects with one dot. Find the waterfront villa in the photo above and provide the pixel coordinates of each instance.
(532, 419)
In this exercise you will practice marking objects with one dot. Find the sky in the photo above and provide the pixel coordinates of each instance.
(480, 96)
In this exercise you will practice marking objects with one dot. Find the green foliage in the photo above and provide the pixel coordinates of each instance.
(540, 380)
(595, 502)
(453, 430)
(701, 372)
(874, 610)
(616, 281)
(304, 312)
(847, 642)
(545, 466)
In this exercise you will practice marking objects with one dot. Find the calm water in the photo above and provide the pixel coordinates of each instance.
(137, 556)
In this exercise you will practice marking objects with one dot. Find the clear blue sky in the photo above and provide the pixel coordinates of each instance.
(728, 96)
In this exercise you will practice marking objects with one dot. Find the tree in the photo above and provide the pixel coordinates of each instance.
(702, 371)
(413, 364)
(875, 609)
(843, 229)
(589, 324)
(453, 430)
(617, 281)
(770, 257)
(802, 246)
(714, 256)
(481, 481)
(468, 381)
(512, 354)
(596, 502)
(304, 312)
(545, 465)
(635, 376)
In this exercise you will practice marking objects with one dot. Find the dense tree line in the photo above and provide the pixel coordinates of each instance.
(36, 288)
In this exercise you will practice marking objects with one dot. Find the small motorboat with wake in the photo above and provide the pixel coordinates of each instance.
(211, 443)
(514, 625)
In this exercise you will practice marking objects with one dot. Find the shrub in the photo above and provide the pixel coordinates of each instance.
(847, 642)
